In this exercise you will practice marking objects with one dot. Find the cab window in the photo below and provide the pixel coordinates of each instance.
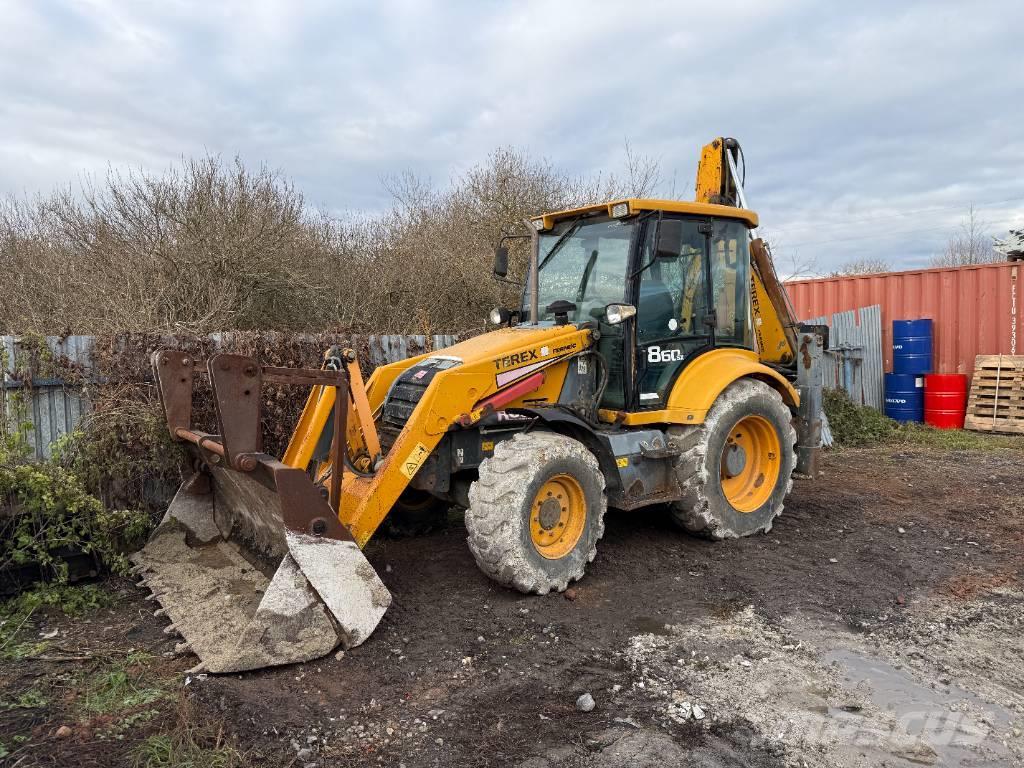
(730, 278)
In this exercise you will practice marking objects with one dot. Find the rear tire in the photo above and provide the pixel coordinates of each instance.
(536, 512)
(751, 414)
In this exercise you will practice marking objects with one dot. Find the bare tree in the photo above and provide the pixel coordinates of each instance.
(211, 245)
(1012, 245)
(644, 173)
(790, 263)
(971, 245)
(867, 265)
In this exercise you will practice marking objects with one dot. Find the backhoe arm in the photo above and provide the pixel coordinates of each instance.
(720, 182)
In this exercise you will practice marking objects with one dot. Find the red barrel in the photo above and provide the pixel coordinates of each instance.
(945, 400)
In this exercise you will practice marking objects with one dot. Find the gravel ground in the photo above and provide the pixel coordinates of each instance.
(879, 623)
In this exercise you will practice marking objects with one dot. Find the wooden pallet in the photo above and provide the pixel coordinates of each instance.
(996, 403)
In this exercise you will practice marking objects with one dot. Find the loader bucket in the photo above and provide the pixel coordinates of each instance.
(250, 563)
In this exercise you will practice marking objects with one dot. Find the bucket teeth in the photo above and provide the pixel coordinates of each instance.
(171, 629)
(182, 648)
(151, 596)
(198, 669)
(159, 612)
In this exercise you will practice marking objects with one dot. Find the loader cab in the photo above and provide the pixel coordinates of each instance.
(687, 273)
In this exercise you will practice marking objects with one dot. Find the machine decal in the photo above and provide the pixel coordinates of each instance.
(507, 377)
(622, 462)
(487, 445)
(413, 461)
(509, 361)
(656, 354)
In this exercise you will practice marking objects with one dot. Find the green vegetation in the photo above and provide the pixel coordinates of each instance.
(48, 509)
(954, 439)
(180, 750)
(33, 698)
(855, 425)
(48, 513)
(15, 614)
(124, 685)
(71, 600)
(188, 745)
(859, 426)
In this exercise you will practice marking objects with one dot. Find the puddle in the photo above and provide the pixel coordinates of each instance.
(923, 713)
(650, 625)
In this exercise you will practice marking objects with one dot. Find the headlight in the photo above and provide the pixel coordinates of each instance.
(616, 313)
(619, 210)
(538, 224)
(499, 316)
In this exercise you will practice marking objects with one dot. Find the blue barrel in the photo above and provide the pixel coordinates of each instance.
(904, 397)
(912, 346)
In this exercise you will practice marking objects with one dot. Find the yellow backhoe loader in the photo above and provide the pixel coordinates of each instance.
(654, 359)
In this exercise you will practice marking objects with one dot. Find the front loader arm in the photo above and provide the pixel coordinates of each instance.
(492, 372)
(361, 432)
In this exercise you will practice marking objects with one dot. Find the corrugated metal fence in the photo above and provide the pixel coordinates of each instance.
(854, 358)
(56, 407)
(977, 310)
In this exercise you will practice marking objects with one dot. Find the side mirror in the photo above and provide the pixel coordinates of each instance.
(670, 239)
(500, 261)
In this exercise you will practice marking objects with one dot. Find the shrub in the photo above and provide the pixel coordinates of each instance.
(858, 426)
(46, 513)
(215, 246)
(855, 425)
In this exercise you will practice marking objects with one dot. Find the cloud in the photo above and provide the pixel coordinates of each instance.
(868, 130)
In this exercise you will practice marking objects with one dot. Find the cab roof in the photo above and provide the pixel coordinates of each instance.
(640, 205)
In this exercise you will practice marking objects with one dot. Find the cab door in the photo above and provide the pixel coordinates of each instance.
(691, 296)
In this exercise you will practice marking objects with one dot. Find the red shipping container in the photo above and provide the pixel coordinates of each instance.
(977, 310)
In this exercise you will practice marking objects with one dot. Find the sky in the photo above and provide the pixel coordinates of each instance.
(869, 128)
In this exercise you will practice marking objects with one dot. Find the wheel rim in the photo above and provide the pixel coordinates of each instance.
(751, 462)
(557, 516)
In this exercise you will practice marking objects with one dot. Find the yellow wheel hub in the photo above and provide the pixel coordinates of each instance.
(557, 516)
(751, 462)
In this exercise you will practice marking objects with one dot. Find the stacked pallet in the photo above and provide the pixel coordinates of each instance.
(996, 403)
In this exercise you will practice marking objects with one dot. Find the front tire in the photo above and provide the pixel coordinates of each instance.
(736, 468)
(536, 512)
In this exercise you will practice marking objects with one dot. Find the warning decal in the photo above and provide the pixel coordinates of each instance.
(413, 461)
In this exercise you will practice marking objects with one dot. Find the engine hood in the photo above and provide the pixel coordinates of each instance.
(529, 342)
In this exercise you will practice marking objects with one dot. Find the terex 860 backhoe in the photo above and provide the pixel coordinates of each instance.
(654, 360)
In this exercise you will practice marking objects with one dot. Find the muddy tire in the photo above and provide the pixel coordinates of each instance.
(415, 513)
(536, 512)
(749, 414)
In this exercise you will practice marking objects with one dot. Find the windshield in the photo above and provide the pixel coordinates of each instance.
(583, 262)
